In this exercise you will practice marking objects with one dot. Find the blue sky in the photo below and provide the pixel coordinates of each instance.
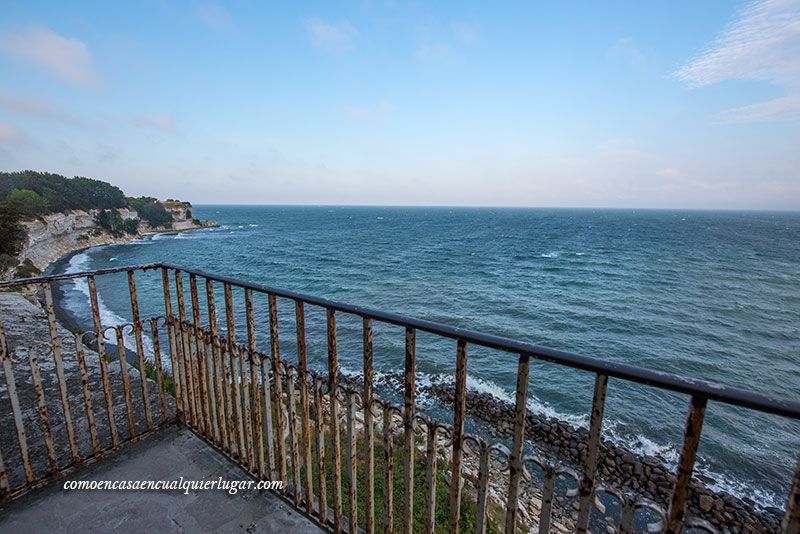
(603, 104)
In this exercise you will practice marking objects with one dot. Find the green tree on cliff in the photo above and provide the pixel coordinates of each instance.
(27, 203)
(12, 235)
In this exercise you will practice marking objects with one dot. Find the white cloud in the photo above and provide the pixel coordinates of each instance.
(9, 134)
(464, 32)
(33, 107)
(216, 16)
(786, 108)
(381, 112)
(331, 36)
(670, 172)
(625, 49)
(64, 57)
(762, 44)
(160, 122)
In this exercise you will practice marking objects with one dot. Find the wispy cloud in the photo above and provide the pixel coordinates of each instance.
(447, 43)
(160, 122)
(9, 134)
(331, 36)
(762, 44)
(625, 49)
(64, 57)
(670, 172)
(216, 16)
(381, 112)
(34, 107)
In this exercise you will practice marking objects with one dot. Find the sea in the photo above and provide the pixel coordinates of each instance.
(712, 295)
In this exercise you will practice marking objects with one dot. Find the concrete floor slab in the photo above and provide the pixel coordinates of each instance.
(168, 455)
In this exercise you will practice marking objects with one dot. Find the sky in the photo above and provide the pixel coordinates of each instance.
(646, 104)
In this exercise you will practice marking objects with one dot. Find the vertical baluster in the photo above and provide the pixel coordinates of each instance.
(304, 401)
(515, 463)
(229, 425)
(87, 395)
(277, 376)
(232, 350)
(211, 388)
(202, 375)
(430, 479)
(547, 500)
(186, 351)
(586, 489)
(388, 476)
(55, 342)
(333, 383)
(258, 421)
(626, 516)
(267, 420)
(99, 336)
(408, 427)
(137, 333)
(170, 323)
(162, 397)
(11, 384)
(126, 382)
(43, 415)
(691, 439)
(369, 431)
(791, 519)
(5, 489)
(292, 416)
(255, 364)
(459, 412)
(219, 369)
(248, 453)
(351, 464)
(319, 417)
(483, 489)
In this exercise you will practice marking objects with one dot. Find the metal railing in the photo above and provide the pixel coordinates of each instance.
(248, 403)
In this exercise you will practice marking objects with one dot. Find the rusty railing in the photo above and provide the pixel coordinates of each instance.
(282, 420)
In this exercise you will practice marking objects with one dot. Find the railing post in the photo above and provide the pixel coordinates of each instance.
(409, 395)
(201, 357)
(219, 368)
(791, 519)
(126, 381)
(255, 366)
(87, 395)
(99, 336)
(319, 417)
(55, 341)
(430, 478)
(388, 475)
(137, 332)
(369, 430)
(162, 397)
(459, 412)
(277, 378)
(691, 439)
(232, 353)
(43, 415)
(333, 383)
(302, 365)
(586, 489)
(173, 350)
(188, 376)
(515, 463)
(8, 370)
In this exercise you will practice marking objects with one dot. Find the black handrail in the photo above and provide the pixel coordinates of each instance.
(697, 388)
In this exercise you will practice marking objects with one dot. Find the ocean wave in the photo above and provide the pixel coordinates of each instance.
(79, 303)
(549, 255)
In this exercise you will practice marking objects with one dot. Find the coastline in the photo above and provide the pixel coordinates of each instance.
(628, 470)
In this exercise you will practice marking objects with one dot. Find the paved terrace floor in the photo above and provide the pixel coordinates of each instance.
(167, 455)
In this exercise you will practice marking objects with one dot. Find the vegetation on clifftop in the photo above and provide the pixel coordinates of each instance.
(28, 195)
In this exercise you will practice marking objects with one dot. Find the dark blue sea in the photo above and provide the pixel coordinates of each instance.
(710, 295)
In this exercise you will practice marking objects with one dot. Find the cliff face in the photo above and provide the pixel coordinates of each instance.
(58, 234)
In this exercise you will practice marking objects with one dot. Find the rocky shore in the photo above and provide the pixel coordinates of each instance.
(647, 476)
